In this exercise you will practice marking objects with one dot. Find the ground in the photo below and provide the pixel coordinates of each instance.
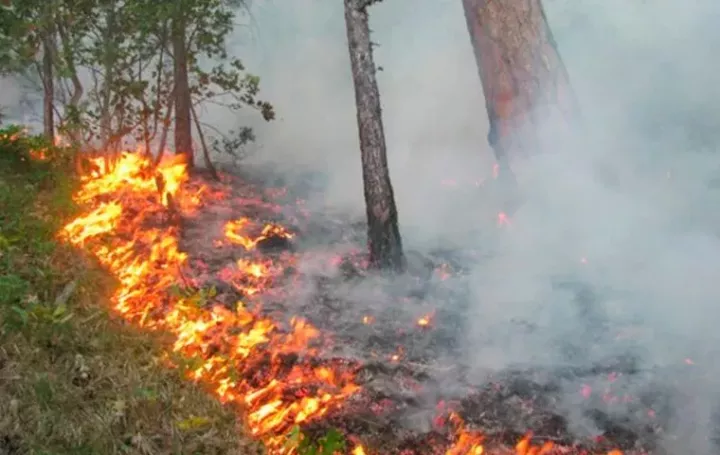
(356, 373)
(73, 378)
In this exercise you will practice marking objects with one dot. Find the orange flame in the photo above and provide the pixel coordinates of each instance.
(426, 320)
(234, 229)
(147, 262)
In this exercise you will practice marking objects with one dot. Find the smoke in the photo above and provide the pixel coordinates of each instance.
(615, 245)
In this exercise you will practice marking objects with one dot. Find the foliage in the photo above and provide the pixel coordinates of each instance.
(23, 152)
(124, 47)
(234, 143)
(331, 443)
(77, 381)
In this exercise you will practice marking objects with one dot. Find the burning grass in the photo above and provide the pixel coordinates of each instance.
(73, 378)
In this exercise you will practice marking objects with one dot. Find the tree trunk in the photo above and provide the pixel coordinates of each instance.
(72, 113)
(523, 77)
(383, 233)
(206, 153)
(109, 45)
(48, 87)
(183, 125)
(165, 127)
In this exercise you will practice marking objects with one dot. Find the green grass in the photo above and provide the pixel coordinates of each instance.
(73, 378)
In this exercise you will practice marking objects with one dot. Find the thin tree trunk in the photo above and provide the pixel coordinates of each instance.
(206, 153)
(183, 125)
(48, 87)
(72, 114)
(523, 77)
(384, 240)
(108, 83)
(165, 128)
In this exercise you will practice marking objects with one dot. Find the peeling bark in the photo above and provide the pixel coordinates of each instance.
(523, 76)
(384, 240)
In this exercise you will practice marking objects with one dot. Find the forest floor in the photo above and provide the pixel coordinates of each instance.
(73, 378)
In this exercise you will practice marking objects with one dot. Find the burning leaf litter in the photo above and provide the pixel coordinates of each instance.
(268, 368)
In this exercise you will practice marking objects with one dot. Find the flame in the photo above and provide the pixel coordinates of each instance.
(241, 355)
(426, 320)
(503, 219)
(234, 229)
(471, 442)
(264, 366)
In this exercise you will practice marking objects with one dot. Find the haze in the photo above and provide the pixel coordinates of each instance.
(631, 195)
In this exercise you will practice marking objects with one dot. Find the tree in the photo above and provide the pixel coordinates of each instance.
(197, 32)
(183, 102)
(384, 240)
(47, 36)
(523, 77)
(126, 47)
(31, 22)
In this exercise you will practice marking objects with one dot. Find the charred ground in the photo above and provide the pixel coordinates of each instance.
(402, 336)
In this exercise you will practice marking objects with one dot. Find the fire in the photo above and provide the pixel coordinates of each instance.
(266, 367)
(503, 219)
(470, 442)
(466, 442)
(426, 320)
(234, 233)
(241, 355)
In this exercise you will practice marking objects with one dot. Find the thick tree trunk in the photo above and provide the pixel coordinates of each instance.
(383, 232)
(183, 125)
(48, 88)
(523, 77)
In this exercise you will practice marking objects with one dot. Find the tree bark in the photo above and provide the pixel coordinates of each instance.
(524, 80)
(183, 125)
(384, 240)
(48, 86)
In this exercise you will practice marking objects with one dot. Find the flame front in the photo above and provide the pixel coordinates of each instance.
(241, 355)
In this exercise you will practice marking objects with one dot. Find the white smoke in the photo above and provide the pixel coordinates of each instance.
(631, 210)
(627, 207)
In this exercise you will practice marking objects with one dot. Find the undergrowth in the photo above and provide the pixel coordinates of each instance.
(73, 378)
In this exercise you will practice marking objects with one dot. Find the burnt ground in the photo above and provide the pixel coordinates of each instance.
(412, 375)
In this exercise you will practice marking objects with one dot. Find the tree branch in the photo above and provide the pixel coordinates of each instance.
(362, 5)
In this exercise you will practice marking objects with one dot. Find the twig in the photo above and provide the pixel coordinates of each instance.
(67, 291)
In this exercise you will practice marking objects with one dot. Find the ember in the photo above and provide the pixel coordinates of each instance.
(276, 371)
